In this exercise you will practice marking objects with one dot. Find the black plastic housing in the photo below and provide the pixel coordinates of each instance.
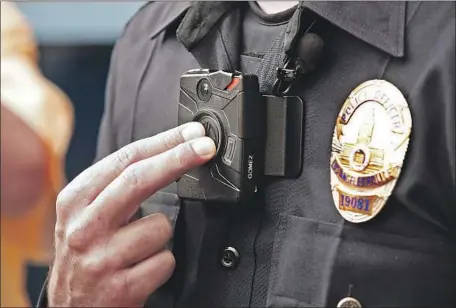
(231, 108)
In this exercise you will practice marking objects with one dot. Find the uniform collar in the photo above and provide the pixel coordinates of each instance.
(381, 24)
(168, 13)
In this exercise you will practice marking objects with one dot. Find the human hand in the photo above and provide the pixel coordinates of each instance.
(100, 258)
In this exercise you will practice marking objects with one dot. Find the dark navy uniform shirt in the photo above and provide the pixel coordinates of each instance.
(293, 247)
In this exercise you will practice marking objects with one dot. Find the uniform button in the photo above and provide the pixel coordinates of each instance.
(349, 302)
(230, 257)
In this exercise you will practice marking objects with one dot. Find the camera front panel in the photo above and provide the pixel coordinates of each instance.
(228, 105)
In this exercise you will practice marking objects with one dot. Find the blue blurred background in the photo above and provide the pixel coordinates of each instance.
(75, 41)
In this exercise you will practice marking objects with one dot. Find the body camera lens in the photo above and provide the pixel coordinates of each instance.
(204, 90)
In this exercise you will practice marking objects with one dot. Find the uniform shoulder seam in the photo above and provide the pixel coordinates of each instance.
(134, 16)
(154, 17)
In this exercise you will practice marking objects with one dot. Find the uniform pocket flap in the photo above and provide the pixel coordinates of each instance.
(316, 264)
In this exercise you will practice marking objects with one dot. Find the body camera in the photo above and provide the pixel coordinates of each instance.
(229, 106)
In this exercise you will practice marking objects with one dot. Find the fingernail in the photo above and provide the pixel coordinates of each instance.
(192, 130)
(203, 146)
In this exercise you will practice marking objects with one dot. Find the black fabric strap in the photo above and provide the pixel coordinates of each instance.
(271, 61)
(280, 48)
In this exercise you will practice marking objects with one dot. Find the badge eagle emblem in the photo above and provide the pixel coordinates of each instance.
(369, 145)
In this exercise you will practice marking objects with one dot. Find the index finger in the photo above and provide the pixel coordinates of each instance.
(122, 197)
(86, 187)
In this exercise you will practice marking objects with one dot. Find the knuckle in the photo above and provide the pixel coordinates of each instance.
(172, 140)
(181, 156)
(93, 266)
(75, 239)
(130, 176)
(125, 156)
(63, 201)
(187, 151)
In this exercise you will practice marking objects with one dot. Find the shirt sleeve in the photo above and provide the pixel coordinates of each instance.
(108, 134)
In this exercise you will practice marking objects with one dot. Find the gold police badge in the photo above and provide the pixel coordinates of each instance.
(368, 149)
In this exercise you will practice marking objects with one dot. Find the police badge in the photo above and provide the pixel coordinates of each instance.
(369, 145)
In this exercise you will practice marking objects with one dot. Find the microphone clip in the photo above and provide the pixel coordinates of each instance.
(285, 77)
(298, 61)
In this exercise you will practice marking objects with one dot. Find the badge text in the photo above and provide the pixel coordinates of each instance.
(377, 179)
(356, 204)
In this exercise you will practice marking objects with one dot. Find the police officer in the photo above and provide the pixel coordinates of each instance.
(369, 222)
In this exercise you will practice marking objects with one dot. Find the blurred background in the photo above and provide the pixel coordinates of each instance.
(75, 42)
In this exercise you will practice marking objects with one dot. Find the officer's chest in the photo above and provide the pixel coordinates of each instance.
(346, 63)
(158, 90)
(315, 256)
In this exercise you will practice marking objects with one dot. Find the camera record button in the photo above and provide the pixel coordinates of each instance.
(212, 127)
